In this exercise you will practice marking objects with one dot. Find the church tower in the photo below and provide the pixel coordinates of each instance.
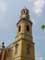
(24, 46)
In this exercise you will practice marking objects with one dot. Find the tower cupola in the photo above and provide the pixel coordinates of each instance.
(24, 13)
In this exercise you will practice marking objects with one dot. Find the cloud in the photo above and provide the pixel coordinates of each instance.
(41, 58)
(3, 7)
(38, 55)
(37, 6)
(38, 58)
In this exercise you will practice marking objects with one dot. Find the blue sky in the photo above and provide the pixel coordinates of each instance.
(9, 16)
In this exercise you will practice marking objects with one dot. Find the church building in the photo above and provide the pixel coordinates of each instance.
(23, 46)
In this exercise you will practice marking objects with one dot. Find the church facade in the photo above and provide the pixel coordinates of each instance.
(23, 46)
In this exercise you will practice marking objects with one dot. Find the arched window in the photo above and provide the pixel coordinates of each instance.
(16, 48)
(27, 28)
(19, 29)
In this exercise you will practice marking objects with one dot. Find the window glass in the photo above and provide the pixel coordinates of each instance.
(27, 28)
(19, 28)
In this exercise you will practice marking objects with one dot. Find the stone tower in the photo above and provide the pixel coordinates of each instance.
(24, 46)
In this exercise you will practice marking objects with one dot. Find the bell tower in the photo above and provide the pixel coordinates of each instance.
(24, 46)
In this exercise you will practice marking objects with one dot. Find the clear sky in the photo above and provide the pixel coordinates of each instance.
(9, 16)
